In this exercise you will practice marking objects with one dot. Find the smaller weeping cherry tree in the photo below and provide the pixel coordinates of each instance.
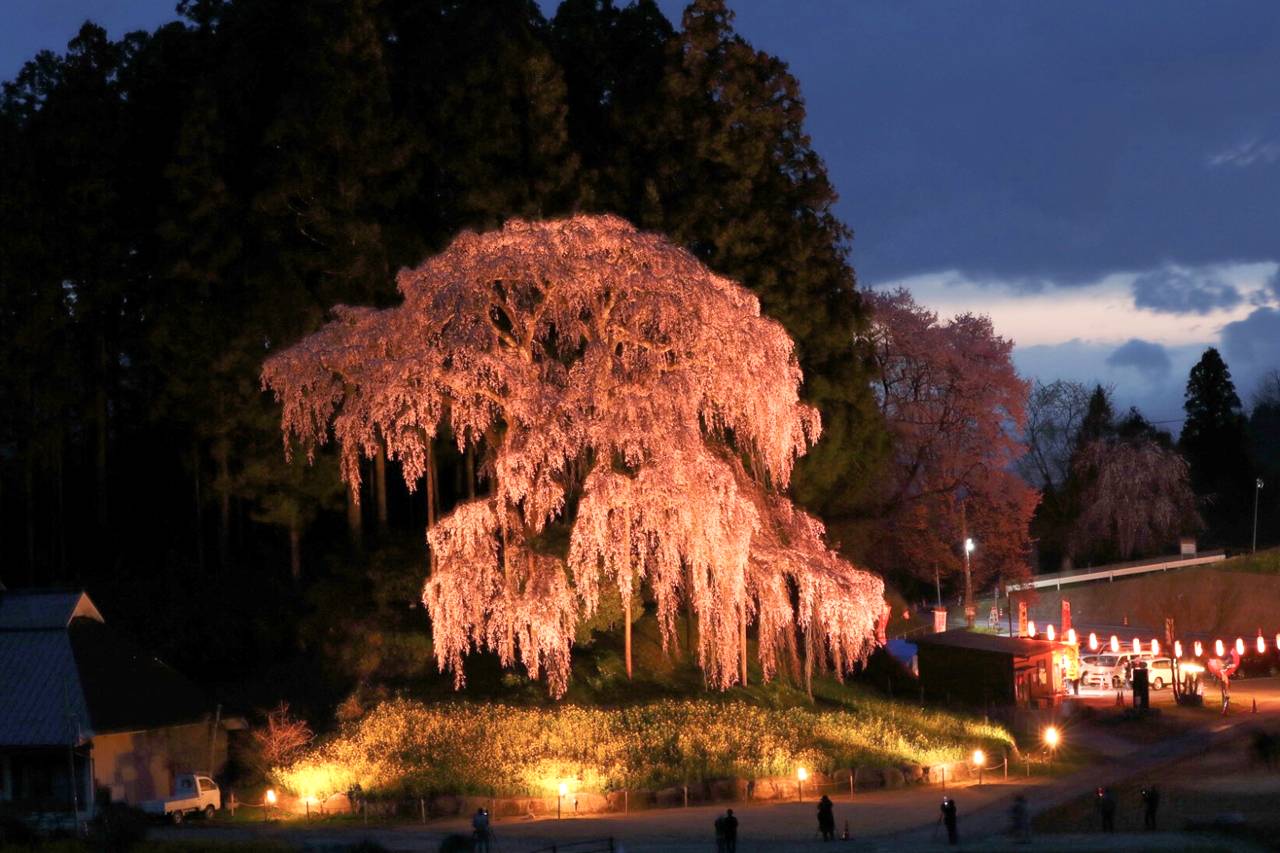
(613, 386)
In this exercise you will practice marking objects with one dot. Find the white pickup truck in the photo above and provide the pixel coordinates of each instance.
(192, 794)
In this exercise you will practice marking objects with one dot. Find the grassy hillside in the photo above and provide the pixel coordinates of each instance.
(502, 734)
(405, 747)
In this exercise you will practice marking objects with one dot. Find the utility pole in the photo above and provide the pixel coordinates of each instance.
(969, 610)
(1256, 490)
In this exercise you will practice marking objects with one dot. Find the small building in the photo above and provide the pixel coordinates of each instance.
(990, 670)
(85, 713)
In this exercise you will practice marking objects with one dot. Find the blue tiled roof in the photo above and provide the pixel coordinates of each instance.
(41, 700)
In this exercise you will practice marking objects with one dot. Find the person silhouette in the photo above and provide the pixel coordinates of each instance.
(730, 832)
(480, 830)
(949, 820)
(826, 818)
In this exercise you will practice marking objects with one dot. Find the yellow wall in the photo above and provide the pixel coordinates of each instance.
(138, 766)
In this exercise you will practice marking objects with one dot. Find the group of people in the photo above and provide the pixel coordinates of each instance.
(1105, 803)
(726, 825)
(727, 833)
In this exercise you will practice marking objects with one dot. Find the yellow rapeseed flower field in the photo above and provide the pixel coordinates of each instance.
(403, 747)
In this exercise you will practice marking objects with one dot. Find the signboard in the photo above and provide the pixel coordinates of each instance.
(1066, 617)
(1022, 618)
(939, 620)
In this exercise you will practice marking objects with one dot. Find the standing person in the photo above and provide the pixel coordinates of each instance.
(480, 831)
(1150, 805)
(1107, 809)
(949, 820)
(1020, 819)
(730, 832)
(826, 818)
(720, 834)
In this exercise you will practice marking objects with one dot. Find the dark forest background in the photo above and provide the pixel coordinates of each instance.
(176, 205)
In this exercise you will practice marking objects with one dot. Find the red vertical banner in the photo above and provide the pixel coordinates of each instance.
(939, 620)
(1066, 617)
(1022, 617)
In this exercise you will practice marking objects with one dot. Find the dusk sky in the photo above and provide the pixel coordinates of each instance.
(1103, 179)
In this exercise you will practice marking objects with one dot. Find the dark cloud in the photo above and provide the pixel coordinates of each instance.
(1039, 140)
(1177, 291)
(1148, 358)
(1252, 348)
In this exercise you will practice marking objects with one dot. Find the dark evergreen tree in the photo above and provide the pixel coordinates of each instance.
(1216, 444)
(1099, 419)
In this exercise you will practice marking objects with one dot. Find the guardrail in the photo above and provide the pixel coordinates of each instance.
(1110, 573)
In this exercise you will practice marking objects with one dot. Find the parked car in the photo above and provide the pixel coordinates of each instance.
(1109, 669)
(193, 794)
(1160, 673)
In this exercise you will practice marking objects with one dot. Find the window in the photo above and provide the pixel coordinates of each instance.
(207, 785)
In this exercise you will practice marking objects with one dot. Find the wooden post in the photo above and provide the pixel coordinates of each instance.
(853, 771)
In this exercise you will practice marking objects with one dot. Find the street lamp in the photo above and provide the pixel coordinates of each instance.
(801, 775)
(979, 761)
(968, 583)
(1256, 489)
(1051, 739)
(564, 789)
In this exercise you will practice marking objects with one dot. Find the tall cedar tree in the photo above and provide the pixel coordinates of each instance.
(1215, 442)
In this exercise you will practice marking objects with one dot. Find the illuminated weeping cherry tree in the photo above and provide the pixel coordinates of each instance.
(613, 386)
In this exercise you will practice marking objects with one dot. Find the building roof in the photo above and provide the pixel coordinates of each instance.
(65, 675)
(961, 638)
(128, 688)
(41, 702)
(43, 610)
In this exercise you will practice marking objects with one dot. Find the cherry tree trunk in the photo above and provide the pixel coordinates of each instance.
(355, 523)
(471, 473)
(808, 663)
(380, 485)
(743, 642)
(429, 483)
(626, 629)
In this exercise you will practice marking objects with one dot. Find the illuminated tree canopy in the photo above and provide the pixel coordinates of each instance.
(613, 386)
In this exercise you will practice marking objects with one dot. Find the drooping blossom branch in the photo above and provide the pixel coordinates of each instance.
(616, 386)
